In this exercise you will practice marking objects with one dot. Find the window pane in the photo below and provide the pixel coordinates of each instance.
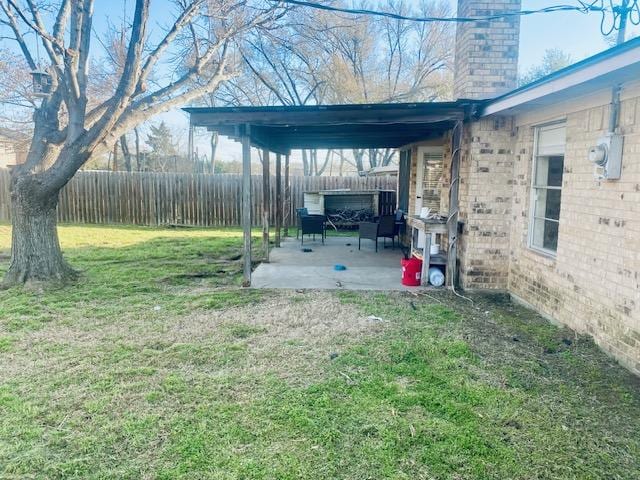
(547, 203)
(550, 235)
(545, 234)
(540, 196)
(542, 172)
(549, 171)
(537, 239)
(547, 185)
(556, 167)
(552, 207)
(431, 178)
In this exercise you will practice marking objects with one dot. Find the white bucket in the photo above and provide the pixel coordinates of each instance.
(436, 277)
(424, 212)
(435, 249)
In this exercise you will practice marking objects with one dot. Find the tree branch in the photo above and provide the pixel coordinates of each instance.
(154, 56)
(11, 22)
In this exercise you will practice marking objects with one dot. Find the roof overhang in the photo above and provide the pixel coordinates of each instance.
(612, 67)
(284, 128)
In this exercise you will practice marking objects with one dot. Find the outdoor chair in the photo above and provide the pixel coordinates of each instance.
(312, 225)
(384, 228)
(300, 212)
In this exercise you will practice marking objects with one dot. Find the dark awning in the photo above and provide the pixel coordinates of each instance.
(382, 125)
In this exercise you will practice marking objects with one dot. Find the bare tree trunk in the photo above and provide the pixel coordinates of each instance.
(115, 156)
(373, 158)
(35, 249)
(320, 171)
(313, 162)
(214, 147)
(138, 159)
(126, 153)
(358, 155)
(387, 157)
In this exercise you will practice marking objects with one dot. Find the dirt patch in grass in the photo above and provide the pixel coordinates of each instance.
(293, 335)
(124, 389)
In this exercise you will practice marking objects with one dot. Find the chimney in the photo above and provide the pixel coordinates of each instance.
(486, 61)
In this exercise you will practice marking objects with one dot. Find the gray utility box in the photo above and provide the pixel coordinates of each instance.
(607, 156)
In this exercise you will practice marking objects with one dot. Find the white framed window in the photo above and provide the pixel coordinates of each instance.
(546, 187)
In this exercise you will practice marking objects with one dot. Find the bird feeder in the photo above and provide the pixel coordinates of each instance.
(41, 83)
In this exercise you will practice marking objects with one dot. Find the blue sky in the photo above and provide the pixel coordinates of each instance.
(575, 33)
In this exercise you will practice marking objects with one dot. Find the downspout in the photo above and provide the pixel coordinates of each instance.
(615, 92)
(614, 112)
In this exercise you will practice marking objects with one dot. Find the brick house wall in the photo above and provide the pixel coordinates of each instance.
(593, 283)
(486, 188)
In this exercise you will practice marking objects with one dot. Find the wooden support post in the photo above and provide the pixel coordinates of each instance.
(246, 205)
(279, 206)
(190, 143)
(287, 197)
(454, 206)
(266, 201)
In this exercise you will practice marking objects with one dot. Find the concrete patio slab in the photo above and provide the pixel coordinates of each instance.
(367, 269)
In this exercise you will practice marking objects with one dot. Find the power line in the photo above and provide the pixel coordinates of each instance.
(584, 7)
(614, 17)
(628, 11)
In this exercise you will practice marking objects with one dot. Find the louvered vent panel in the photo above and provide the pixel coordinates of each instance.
(431, 180)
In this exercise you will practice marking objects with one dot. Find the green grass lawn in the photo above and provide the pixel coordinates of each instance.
(156, 364)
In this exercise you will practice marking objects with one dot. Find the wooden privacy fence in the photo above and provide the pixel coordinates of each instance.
(145, 198)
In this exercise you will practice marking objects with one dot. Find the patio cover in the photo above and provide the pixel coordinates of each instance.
(281, 129)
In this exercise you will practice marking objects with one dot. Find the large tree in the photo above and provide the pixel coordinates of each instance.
(164, 69)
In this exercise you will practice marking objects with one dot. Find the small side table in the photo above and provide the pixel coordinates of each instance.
(428, 226)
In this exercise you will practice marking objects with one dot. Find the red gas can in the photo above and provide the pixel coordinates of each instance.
(411, 269)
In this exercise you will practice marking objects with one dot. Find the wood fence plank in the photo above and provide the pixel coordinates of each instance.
(156, 199)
